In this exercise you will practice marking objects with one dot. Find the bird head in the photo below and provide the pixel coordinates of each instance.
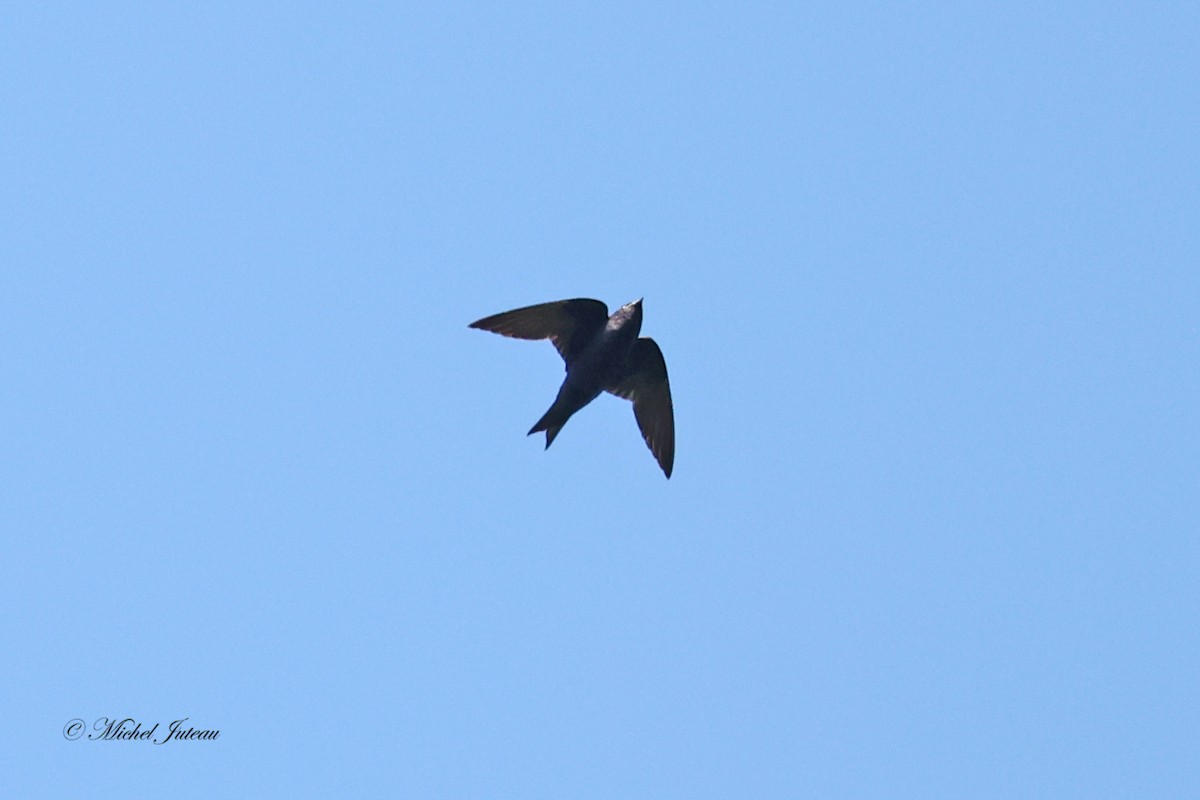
(628, 318)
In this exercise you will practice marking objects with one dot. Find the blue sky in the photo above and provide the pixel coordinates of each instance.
(925, 277)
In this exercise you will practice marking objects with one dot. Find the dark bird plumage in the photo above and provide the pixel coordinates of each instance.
(602, 354)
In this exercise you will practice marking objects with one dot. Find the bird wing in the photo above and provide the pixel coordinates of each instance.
(568, 324)
(644, 381)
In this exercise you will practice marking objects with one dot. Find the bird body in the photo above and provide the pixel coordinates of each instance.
(602, 353)
(595, 367)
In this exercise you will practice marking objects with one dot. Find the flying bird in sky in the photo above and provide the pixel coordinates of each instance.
(603, 354)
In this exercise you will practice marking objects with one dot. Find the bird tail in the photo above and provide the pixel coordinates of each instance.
(551, 422)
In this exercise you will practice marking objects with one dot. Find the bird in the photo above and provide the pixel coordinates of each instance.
(603, 354)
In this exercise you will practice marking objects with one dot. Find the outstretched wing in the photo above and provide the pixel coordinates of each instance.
(568, 324)
(644, 381)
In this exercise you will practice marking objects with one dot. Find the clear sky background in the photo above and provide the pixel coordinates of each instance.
(927, 281)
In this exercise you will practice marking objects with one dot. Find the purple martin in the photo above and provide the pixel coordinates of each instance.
(602, 353)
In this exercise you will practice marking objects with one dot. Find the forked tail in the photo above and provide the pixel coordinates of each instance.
(551, 422)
